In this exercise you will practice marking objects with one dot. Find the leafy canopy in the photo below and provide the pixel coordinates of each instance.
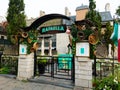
(15, 16)
(93, 15)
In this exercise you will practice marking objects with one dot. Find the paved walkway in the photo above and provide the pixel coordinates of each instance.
(53, 81)
(13, 84)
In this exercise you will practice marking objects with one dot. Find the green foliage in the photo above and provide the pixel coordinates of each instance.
(92, 5)
(73, 46)
(30, 40)
(117, 71)
(93, 15)
(118, 14)
(95, 18)
(107, 83)
(87, 32)
(118, 11)
(4, 70)
(74, 31)
(108, 32)
(111, 82)
(9, 64)
(42, 60)
(92, 49)
(15, 17)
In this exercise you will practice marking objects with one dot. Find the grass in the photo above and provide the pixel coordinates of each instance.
(4, 70)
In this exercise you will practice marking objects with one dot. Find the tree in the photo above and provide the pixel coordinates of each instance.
(108, 32)
(118, 11)
(93, 15)
(15, 17)
(118, 14)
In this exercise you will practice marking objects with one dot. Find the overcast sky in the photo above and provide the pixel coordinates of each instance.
(33, 7)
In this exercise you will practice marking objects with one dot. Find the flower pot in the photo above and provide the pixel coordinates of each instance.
(41, 68)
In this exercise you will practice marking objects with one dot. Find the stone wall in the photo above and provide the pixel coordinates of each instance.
(25, 66)
(83, 73)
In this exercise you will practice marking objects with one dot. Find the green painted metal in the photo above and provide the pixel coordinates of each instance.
(65, 61)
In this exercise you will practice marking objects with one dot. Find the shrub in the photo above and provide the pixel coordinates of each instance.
(42, 61)
(4, 70)
(107, 83)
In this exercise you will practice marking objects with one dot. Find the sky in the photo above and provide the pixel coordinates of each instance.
(33, 7)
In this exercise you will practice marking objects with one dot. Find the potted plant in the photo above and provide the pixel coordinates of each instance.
(42, 62)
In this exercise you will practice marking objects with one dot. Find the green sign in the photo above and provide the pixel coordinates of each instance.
(53, 29)
(65, 61)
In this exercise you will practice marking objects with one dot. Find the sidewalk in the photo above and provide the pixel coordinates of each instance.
(13, 84)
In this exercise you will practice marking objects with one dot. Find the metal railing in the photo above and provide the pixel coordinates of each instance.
(57, 66)
(8, 64)
(103, 67)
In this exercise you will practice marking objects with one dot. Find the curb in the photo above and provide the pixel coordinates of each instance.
(8, 76)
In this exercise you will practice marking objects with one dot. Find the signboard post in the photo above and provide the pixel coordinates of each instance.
(83, 66)
(25, 63)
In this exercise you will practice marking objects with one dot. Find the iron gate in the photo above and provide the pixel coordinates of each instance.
(61, 66)
(9, 64)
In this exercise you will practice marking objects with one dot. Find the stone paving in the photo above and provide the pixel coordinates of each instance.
(13, 84)
(53, 81)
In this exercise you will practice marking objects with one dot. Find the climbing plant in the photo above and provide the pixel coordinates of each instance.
(30, 39)
(95, 17)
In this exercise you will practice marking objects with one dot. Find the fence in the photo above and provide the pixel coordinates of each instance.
(103, 67)
(56, 66)
(8, 64)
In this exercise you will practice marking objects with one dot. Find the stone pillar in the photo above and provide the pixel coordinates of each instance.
(25, 66)
(50, 47)
(42, 47)
(83, 73)
(109, 52)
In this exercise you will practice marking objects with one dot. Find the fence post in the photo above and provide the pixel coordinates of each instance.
(35, 62)
(0, 61)
(52, 67)
(1, 52)
(113, 63)
(73, 69)
(94, 72)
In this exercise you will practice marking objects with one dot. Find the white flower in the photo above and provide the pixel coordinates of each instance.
(115, 80)
(105, 87)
